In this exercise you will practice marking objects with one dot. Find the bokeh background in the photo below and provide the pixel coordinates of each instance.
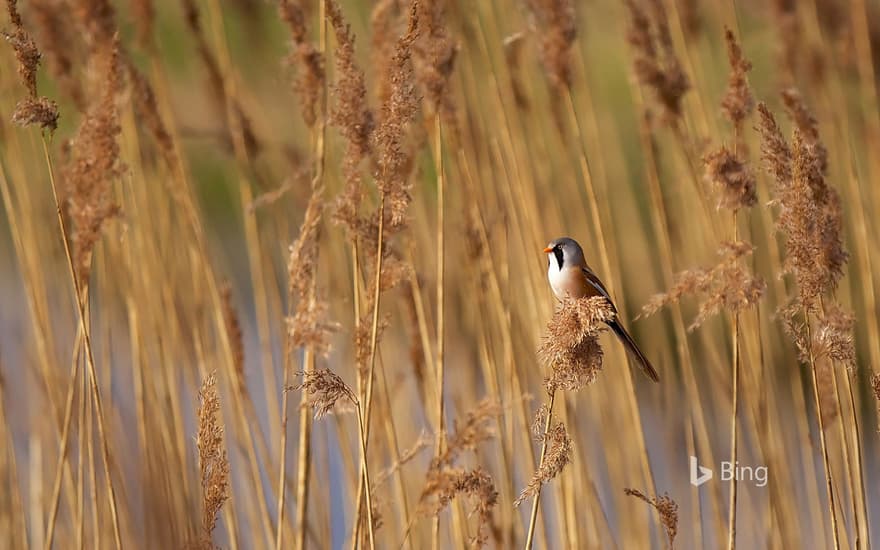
(193, 135)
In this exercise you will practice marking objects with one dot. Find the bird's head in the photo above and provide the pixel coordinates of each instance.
(566, 252)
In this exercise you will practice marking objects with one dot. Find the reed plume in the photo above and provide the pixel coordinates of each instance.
(656, 64)
(445, 481)
(33, 109)
(305, 58)
(570, 346)
(553, 23)
(738, 102)
(557, 457)
(94, 162)
(666, 509)
(728, 285)
(213, 462)
(324, 388)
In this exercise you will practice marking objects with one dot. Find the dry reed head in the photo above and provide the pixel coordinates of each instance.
(559, 449)
(789, 30)
(307, 327)
(393, 162)
(731, 177)
(235, 119)
(666, 508)
(303, 256)
(875, 386)
(213, 460)
(384, 27)
(26, 52)
(554, 24)
(306, 58)
(810, 214)
(447, 483)
(41, 111)
(774, 149)
(655, 63)
(56, 38)
(833, 336)
(351, 114)
(727, 285)
(444, 481)
(738, 102)
(324, 389)
(97, 22)
(94, 162)
(475, 429)
(33, 109)
(570, 346)
(434, 55)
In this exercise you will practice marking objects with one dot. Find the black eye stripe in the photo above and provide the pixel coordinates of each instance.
(557, 251)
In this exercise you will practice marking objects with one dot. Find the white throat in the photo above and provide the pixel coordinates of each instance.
(555, 276)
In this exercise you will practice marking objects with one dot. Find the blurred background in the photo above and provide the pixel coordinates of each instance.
(459, 138)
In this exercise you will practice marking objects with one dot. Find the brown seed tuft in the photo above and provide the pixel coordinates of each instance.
(304, 250)
(232, 113)
(306, 58)
(809, 210)
(57, 41)
(307, 327)
(875, 386)
(393, 161)
(554, 24)
(26, 53)
(732, 178)
(833, 337)
(738, 102)
(727, 285)
(655, 62)
(774, 149)
(570, 346)
(325, 388)
(666, 508)
(213, 460)
(444, 481)
(434, 55)
(447, 483)
(42, 111)
(94, 162)
(352, 115)
(558, 457)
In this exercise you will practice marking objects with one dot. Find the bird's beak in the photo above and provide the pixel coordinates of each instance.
(548, 250)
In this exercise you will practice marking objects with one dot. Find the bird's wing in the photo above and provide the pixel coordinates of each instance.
(594, 282)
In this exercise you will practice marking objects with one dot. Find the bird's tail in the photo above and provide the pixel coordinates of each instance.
(634, 350)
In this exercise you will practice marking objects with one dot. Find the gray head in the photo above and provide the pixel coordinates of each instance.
(566, 252)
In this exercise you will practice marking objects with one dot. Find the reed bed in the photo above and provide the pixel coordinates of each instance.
(271, 274)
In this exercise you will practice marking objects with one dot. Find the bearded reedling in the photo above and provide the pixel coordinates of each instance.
(569, 275)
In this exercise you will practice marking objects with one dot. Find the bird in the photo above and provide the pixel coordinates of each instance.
(569, 275)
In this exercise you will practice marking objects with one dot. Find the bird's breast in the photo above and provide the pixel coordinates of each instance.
(568, 281)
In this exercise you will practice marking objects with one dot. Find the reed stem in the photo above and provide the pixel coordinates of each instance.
(533, 518)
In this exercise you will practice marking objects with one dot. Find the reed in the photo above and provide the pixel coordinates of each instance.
(304, 211)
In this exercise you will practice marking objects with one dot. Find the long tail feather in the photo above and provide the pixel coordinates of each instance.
(634, 350)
